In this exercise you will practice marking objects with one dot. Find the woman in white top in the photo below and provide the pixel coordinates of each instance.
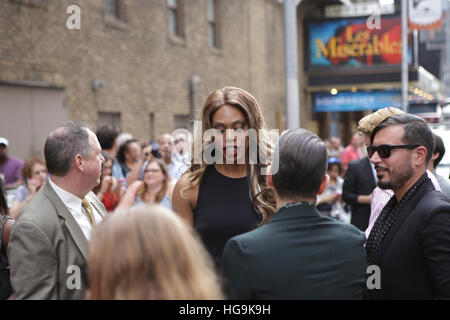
(156, 187)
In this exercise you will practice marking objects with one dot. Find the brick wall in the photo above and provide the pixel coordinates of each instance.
(141, 67)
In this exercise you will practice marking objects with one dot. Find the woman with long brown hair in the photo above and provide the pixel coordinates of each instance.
(156, 187)
(226, 198)
(148, 252)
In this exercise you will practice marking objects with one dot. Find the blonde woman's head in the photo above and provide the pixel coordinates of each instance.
(369, 122)
(147, 252)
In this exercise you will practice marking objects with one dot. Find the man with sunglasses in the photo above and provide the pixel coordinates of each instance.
(380, 197)
(410, 240)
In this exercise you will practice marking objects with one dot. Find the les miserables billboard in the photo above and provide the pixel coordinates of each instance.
(350, 42)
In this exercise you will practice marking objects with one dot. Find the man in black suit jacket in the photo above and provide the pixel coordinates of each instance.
(410, 241)
(299, 254)
(359, 182)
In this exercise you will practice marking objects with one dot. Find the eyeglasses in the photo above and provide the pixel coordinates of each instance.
(152, 170)
(179, 140)
(384, 150)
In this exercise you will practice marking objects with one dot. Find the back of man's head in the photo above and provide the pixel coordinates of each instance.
(438, 148)
(106, 136)
(302, 163)
(63, 144)
(416, 131)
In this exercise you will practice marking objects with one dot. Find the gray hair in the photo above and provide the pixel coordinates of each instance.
(302, 163)
(63, 144)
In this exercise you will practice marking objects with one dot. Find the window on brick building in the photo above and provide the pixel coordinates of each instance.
(175, 8)
(115, 8)
(213, 23)
(106, 118)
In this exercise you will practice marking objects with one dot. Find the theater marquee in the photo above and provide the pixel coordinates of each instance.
(349, 42)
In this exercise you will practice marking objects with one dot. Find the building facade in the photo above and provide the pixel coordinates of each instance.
(146, 65)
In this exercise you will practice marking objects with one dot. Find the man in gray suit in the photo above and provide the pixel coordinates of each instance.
(299, 254)
(48, 244)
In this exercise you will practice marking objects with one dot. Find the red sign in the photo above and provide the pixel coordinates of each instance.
(351, 42)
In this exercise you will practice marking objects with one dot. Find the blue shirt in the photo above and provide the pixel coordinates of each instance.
(165, 202)
(175, 168)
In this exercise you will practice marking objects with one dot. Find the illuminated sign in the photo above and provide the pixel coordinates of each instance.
(349, 42)
(358, 9)
(356, 101)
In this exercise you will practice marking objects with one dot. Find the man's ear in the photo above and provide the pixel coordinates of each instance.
(78, 162)
(421, 155)
(324, 184)
(434, 156)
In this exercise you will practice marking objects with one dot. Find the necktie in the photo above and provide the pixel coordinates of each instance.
(87, 206)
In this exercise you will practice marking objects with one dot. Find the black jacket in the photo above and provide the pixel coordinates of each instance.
(299, 254)
(414, 257)
(358, 180)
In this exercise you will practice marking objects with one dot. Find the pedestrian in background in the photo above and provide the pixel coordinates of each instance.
(438, 154)
(34, 174)
(330, 202)
(156, 187)
(109, 191)
(352, 152)
(10, 167)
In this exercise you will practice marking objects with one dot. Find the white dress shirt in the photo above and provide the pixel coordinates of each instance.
(73, 203)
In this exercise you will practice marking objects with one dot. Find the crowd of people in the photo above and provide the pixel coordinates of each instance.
(107, 217)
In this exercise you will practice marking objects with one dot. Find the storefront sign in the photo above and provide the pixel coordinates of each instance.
(356, 101)
(358, 9)
(349, 42)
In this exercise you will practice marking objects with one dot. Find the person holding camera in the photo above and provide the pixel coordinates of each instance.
(149, 151)
(110, 190)
(156, 187)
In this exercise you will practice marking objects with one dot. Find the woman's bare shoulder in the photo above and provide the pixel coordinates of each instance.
(187, 190)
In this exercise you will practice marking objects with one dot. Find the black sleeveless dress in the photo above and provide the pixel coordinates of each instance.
(224, 210)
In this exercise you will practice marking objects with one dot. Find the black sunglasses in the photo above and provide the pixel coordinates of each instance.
(384, 150)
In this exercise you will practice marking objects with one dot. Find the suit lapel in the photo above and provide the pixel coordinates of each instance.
(403, 214)
(69, 221)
